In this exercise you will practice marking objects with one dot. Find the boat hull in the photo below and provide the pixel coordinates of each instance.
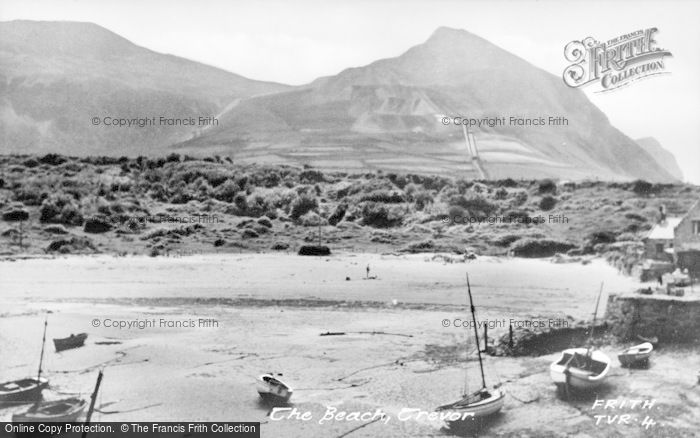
(22, 391)
(637, 355)
(64, 411)
(272, 389)
(73, 341)
(577, 378)
(470, 412)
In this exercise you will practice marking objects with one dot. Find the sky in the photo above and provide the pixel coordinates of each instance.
(296, 42)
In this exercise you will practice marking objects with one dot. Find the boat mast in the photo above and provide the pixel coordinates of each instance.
(92, 403)
(595, 313)
(476, 334)
(43, 343)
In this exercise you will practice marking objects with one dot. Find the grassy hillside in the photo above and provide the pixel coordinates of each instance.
(182, 205)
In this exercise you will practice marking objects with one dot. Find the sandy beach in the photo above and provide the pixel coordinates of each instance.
(219, 321)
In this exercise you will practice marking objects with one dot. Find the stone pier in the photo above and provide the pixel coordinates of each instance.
(671, 319)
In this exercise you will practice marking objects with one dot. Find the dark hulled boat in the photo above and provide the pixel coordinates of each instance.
(72, 341)
(65, 410)
(28, 389)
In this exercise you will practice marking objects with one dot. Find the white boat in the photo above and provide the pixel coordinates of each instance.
(477, 405)
(482, 403)
(637, 355)
(272, 389)
(580, 368)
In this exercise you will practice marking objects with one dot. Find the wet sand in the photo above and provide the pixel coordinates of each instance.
(207, 373)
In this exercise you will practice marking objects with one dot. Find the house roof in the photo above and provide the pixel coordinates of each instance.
(664, 230)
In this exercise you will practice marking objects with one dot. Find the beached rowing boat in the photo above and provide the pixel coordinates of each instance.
(271, 389)
(66, 410)
(637, 355)
(72, 341)
(26, 390)
(581, 368)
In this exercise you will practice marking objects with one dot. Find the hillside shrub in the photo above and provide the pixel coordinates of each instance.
(547, 186)
(302, 205)
(547, 203)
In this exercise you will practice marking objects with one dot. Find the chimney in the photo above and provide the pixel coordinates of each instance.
(662, 213)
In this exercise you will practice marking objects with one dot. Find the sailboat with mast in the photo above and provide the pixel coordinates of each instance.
(479, 404)
(581, 368)
(28, 389)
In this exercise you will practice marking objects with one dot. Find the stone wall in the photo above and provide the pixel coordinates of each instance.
(671, 319)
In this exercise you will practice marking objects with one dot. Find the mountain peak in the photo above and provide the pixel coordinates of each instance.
(450, 35)
(48, 38)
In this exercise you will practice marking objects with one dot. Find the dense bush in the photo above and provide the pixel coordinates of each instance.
(31, 193)
(15, 215)
(547, 186)
(302, 205)
(97, 225)
(548, 202)
(422, 199)
(602, 237)
(384, 196)
(311, 176)
(501, 193)
(476, 206)
(226, 191)
(641, 187)
(456, 214)
(338, 214)
(314, 250)
(540, 248)
(520, 197)
(52, 159)
(60, 209)
(380, 216)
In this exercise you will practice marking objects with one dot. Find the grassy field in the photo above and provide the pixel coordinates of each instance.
(181, 205)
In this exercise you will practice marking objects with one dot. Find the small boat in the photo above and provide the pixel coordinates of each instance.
(653, 340)
(28, 389)
(477, 405)
(72, 341)
(637, 355)
(482, 403)
(66, 410)
(272, 389)
(581, 368)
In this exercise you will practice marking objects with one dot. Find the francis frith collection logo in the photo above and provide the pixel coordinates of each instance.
(614, 63)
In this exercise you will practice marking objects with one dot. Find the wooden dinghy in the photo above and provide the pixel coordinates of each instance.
(637, 355)
(580, 368)
(72, 341)
(65, 410)
(273, 390)
(27, 390)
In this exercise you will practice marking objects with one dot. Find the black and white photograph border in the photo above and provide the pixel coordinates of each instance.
(349, 219)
